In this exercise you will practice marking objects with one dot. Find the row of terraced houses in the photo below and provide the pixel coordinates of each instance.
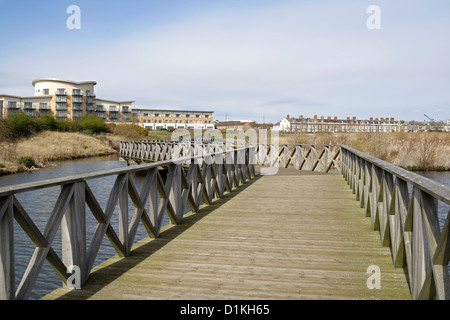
(70, 100)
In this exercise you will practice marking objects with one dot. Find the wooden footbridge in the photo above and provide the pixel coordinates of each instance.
(295, 222)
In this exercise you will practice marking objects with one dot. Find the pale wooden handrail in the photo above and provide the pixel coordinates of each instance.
(194, 180)
(403, 206)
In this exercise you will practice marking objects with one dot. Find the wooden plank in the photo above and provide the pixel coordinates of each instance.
(296, 235)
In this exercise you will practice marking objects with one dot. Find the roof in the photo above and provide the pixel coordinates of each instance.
(63, 81)
(18, 97)
(170, 110)
(112, 101)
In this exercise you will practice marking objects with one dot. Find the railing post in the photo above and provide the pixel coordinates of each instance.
(7, 270)
(73, 233)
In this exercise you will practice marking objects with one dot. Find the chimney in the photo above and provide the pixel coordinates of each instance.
(354, 118)
(371, 118)
(335, 117)
(301, 116)
(392, 119)
(315, 116)
(376, 119)
(288, 116)
(329, 118)
(348, 118)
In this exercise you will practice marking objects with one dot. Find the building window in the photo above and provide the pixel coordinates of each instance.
(46, 92)
(156, 114)
(12, 104)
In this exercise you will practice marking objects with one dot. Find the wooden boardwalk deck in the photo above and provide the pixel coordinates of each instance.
(296, 235)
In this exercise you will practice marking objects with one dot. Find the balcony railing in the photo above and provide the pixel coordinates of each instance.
(61, 92)
(13, 106)
(76, 93)
(77, 107)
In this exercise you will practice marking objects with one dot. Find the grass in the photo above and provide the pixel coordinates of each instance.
(43, 148)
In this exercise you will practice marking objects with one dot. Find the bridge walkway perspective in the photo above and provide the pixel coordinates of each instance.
(293, 235)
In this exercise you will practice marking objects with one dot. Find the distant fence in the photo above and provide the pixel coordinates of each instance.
(324, 158)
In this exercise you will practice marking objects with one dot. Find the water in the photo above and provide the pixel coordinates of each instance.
(442, 177)
(40, 203)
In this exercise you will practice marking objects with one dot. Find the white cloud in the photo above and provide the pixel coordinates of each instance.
(247, 62)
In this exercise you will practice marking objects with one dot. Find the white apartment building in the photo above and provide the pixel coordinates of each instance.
(157, 119)
(66, 100)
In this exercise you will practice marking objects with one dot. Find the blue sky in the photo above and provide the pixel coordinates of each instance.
(247, 59)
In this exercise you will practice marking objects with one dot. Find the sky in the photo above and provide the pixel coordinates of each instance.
(243, 59)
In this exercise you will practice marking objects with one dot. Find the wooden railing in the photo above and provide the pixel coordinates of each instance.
(324, 158)
(204, 178)
(149, 151)
(403, 206)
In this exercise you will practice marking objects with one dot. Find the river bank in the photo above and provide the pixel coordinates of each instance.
(44, 149)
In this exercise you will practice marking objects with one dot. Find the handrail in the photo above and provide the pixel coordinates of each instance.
(403, 207)
(439, 191)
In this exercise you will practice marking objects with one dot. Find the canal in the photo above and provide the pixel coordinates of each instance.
(39, 204)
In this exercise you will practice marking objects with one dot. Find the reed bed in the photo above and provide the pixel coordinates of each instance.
(413, 151)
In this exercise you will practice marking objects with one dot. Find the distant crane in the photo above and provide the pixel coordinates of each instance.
(428, 117)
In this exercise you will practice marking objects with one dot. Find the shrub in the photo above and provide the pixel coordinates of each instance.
(131, 131)
(27, 162)
(47, 122)
(93, 124)
(22, 125)
(5, 131)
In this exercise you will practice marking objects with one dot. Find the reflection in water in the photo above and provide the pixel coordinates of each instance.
(40, 203)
